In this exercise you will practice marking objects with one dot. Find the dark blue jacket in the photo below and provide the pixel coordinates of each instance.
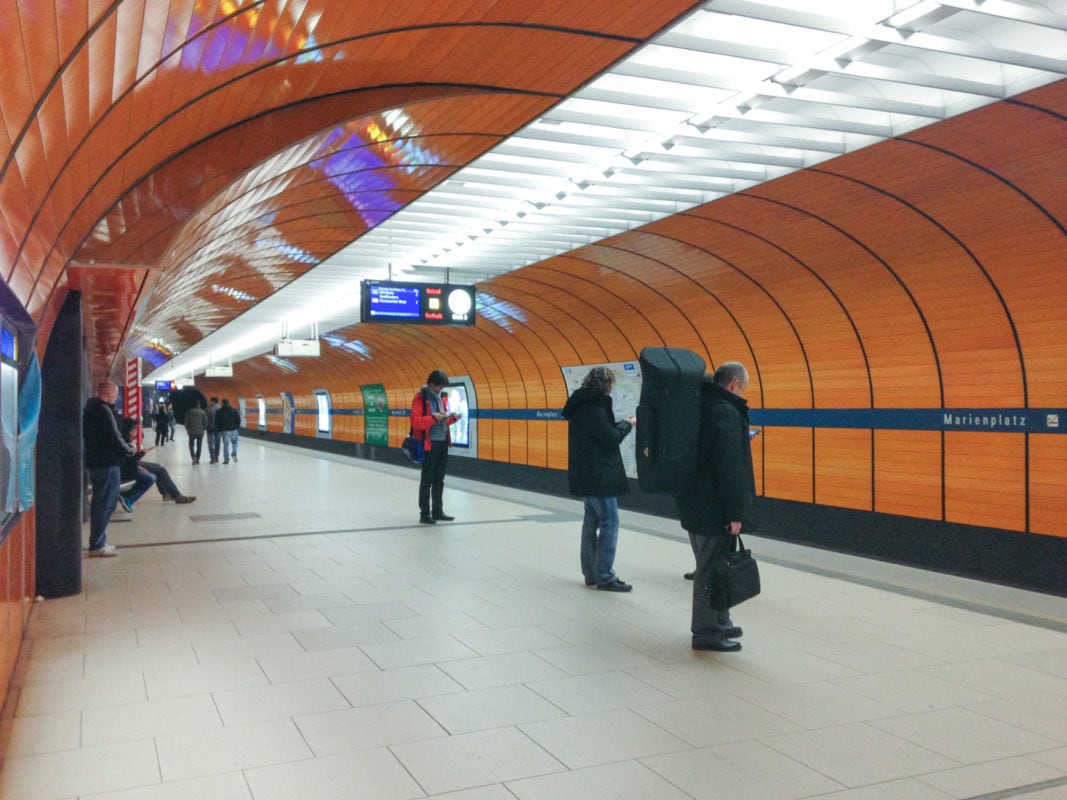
(723, 487)
(595, 466)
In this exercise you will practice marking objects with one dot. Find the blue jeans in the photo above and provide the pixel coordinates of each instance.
(144, 481)
(214, 444)
(164, 482)
(229, 439)
(105, 482)
(598, 552)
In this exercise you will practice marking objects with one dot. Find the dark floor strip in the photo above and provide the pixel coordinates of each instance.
(223, 517)
(1021, 791)
(255, 537)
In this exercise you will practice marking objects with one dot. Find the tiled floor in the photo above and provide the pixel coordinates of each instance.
(296, 634)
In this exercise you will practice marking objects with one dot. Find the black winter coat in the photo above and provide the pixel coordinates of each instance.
(595, 464)
(227, 418)
(101, 437)
(723, 487)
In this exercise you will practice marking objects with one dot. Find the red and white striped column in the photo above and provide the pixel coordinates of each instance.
(132, 396)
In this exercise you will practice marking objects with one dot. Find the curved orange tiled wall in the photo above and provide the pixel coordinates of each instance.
(922, 273)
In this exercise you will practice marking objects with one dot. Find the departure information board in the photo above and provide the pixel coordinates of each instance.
(418, 303)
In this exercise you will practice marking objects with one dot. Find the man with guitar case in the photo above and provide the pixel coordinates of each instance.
(668, 418)
(692, 443)
(720, 497)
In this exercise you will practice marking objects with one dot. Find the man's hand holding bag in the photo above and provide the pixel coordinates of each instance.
(736, 577)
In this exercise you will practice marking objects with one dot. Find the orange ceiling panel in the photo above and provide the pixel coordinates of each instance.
(333, 186)
(108, 297)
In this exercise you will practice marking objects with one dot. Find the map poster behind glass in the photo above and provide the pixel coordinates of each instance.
(624, 397)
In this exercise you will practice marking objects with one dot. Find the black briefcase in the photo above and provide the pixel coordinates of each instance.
(736, 578)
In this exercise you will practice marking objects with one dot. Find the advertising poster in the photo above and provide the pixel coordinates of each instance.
(287, 413)
(29, 415)
(375, 414)
(323, 426)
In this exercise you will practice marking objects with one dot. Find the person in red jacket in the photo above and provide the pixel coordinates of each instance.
(430, 420)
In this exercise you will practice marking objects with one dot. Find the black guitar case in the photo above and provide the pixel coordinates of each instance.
(668, 418)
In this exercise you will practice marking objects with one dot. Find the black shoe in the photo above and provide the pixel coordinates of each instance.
(427, 520)
(443, 517)
(717, 645)
(590, 582)
(732, 633)
(689, 576)
(614, 586)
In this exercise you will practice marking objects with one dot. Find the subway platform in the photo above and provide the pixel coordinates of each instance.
(296, 633)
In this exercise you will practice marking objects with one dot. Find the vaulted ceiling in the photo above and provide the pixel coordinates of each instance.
(200, 169)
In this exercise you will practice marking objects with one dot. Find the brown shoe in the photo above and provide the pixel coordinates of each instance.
(184, 499)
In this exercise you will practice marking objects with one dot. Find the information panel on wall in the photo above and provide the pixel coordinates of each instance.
(288, 413)
(463, 400)
(9, 408)
(418, 303)
(323, 420)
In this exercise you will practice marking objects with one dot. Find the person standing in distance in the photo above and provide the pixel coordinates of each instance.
(596, 474)
(195, 425)
(105, 453)
(162, 424)
(228, 421)
(214, 438)
(430, 420)
(720, 497)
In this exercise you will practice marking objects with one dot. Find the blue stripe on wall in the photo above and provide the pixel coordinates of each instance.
(987, 420)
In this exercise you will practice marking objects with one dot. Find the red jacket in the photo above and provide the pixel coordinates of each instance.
(422, 417)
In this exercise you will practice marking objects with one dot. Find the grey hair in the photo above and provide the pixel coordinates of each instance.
(600, 379)
(729, 372)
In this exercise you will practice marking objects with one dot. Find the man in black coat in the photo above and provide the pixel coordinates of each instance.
(596, 474)
(228, 421)
(105, 451)
(720, 497)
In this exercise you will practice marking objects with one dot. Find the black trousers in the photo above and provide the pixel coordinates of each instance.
(708, 548)
(432, 481)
